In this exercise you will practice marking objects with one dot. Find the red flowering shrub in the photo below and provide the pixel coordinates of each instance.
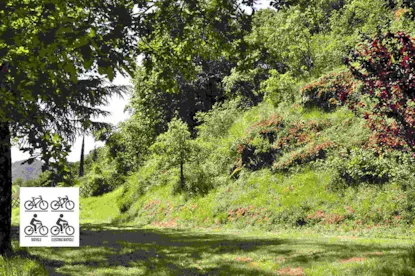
(256, 151)
(308, 154)
(266, 128)
(386, 66)
(298, 134)
(268, 140)
(329, 91)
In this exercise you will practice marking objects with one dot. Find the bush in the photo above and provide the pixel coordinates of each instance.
(199, 181)
(216, 122)
(280, 88)
(95, 183)
(311, 152)
(269, 141)
(149, 175)
(43, 180)
(255, 150)
(358, 166)
(329, 91)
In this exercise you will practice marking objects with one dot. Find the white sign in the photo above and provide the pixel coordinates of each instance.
(49, 216)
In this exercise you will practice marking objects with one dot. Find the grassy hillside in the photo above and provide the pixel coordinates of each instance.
(302, 187)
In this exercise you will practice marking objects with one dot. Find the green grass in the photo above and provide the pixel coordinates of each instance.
(100, 209)
(20, 264)
(110, 250)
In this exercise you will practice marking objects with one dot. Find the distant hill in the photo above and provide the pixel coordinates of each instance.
(26, 171)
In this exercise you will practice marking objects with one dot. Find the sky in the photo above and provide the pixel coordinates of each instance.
(116, 107)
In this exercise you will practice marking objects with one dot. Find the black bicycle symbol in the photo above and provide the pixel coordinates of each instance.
(29, 230)
(35, 202)
(56, 204)
(69, 230)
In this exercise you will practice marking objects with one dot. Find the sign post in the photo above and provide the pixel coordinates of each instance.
(49, 217)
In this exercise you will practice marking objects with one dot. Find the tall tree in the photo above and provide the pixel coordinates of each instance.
(45, 49)
(175, 147)
(81, 161)
(192, 47)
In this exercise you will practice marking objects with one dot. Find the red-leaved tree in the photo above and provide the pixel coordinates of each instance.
(386, 66)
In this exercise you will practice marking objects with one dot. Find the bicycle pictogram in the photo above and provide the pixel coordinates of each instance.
(61, 226)
(62, 202)
(34, 226)
(36, 202)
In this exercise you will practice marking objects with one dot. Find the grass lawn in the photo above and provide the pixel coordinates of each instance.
(111, 250)
(108, 249)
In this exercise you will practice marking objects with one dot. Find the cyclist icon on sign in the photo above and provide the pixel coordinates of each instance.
(35, 221)
(36, 225)
(62, 224)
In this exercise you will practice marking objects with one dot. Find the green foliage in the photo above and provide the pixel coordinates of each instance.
(280, 88)
(357, 167)
(209, 161)
(175, 147)
(281, 143)
(256, 150)
(149, 175)
(215, 123)
(191, 48)
(95, 183)
(196, 112)
(245, 84)
(45, 97)
(185, 35)
(360, 16)
(43, 180)
(285, 36)
(18, 182)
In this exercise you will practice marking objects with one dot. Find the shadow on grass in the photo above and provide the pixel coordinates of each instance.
(107, 250)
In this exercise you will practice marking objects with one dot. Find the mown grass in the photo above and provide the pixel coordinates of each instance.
(111, 250)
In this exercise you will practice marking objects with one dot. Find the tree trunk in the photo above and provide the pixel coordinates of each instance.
(95, 154)
(81, 162)
(181, 176)
(5, 189)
